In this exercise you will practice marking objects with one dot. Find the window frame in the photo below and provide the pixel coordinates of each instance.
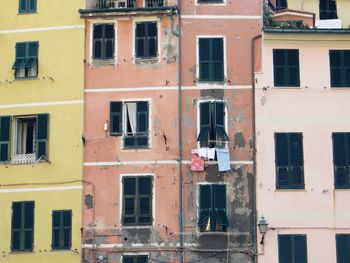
(62, 229)
(292, 238)
(342, 68)
(287, 81)
(27, 10)
(290, 165)
(211, 194)
(211, 82)
(346, 137)
(25, 58)
(155, 59)
(22, 229)
(153, 204)
(107, 61)
(15, 135)
(225, 102)
(328, 11)
(135, 255)
(281, 7)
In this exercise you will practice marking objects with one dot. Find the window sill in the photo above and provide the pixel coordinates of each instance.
(146, 60)
(26, 79)
(213, 233)
(339, 88)
(145, 149)
(103, 62)
(210, 4)
(61, 250)
(291, 190)
(22, 252)
(342, 189)
(287, 87)
(27, 13)
(137, 227)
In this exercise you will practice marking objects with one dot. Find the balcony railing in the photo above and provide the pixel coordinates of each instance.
(128, 3)
(23, 158)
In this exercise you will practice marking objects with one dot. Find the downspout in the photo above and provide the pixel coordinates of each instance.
(181, 220)
(255, 258)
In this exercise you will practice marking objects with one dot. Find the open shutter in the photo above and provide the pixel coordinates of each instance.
(116, 117)
(300, 249)
(220, 205)
(219, 121)
(285, 248)
(5, 132)
(205, 123)
(204, 207)
(296, 159)
(343, 248)
(281, 159)
(42, 136)
(21, 56)
(142, 124)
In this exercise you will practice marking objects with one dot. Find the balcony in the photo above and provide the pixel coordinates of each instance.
(127, 7)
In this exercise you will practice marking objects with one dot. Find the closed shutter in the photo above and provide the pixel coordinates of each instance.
(204, 59)
(32, 6)
(145, 199)
(129, 201)
(204, 207)
(296, 158)
(97, 42)
(5, 134)
(211, 59)
(205, 123)
(281, 153)
(142, 124)
(219, 192)
(219, 121)
(21, 56)
(108, 51)
(341, 159)
(42, 136)
(285, 249)
(286, 67)
(152, 46)
(300, 249)
(116, 117)
(22, 7)
(343, 248)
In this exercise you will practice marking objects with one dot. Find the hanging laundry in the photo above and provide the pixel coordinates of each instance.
(223, 156)
(207, 153)
(197, 162)
(211, 153)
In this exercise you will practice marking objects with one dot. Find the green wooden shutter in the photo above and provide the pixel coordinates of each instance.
(204, 123)
(22, 6)
(296, 159)
(341, 156)
(22, 226)
(281, 159)
(21, 56)
(144, 184)
(300, 249)
(28, 225)
(285, 249)
(343, 248)
(219, 194)
(16, 226)
(205, 201)
(204, 59)
(116, 117)
(129, 201)
(293, 74)
(42, 136)
(217, 59)
(219, 121)
(142, 124)
(286, 67)
(32, 6)
(5, 135)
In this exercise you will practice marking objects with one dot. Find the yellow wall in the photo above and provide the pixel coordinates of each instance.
(343, 8)
(60, 32)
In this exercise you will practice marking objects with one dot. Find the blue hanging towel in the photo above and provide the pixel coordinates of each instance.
(223, 156)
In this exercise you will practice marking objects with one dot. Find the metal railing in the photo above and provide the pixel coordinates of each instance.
(115, 3)
(154, 3)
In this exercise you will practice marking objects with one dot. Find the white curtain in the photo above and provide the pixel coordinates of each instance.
(131, 111)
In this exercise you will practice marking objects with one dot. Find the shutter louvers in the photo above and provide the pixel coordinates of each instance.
(42, 136)
(343, 248)
(116, 116)
(205, 123)
(285, 248)
(5, 134)
(300, 249)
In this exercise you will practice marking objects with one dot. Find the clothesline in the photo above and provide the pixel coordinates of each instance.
(221, 141)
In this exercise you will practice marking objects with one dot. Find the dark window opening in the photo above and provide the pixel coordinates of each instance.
(343, 248)
(154, 3)
(211, 59)
(5, 132)
(27, 6)
(61, 229)
(340, 68)
(22, 226)
(341, 160)
(135, 259)
(210, 1)
(26, 130)
(289, 161)
(286, 67)
(103, 41)
(137, 200)
(212, 131)
(26, 63)
(292, 249)
(328, 9)
(146, 40)
(281, 4)
(212, 208)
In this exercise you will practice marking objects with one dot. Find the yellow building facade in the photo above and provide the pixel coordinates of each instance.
(41, 129)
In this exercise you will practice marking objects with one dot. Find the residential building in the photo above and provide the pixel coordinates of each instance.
(302, 131)
(41, 117)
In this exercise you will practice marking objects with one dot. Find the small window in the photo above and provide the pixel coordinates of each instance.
(281, 4)
(211, 59)
(154, 3)
(103, 41)
(341, 160)
(340, 68)
(212, 131)
(26, 63)
(133, 125)
(210, 1)
(289, 161)
(27, 6)
(137, 200)
(135, 259)
(343, 248)
(212, 208)
(292, 249)
(61, 229)
(22, 226)
(328, 9)
(146, 40)
(286, 67)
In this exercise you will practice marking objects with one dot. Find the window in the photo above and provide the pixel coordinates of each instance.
(26, 63)
(135, 259)
(61, 229)
(286, 67)
(292, 249)
(341, 160)
(281, 4)
(103, 41)
(137, 200)
(211, 59)
(212, 208)
(212, 132)
(133, 124)
(210, 1)
(27, 6)
(30, 138)
(154, 3)
(22, 226)
(146, 40)
(340, 68)
(343, 248)
(328, 9)
(289, 161)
